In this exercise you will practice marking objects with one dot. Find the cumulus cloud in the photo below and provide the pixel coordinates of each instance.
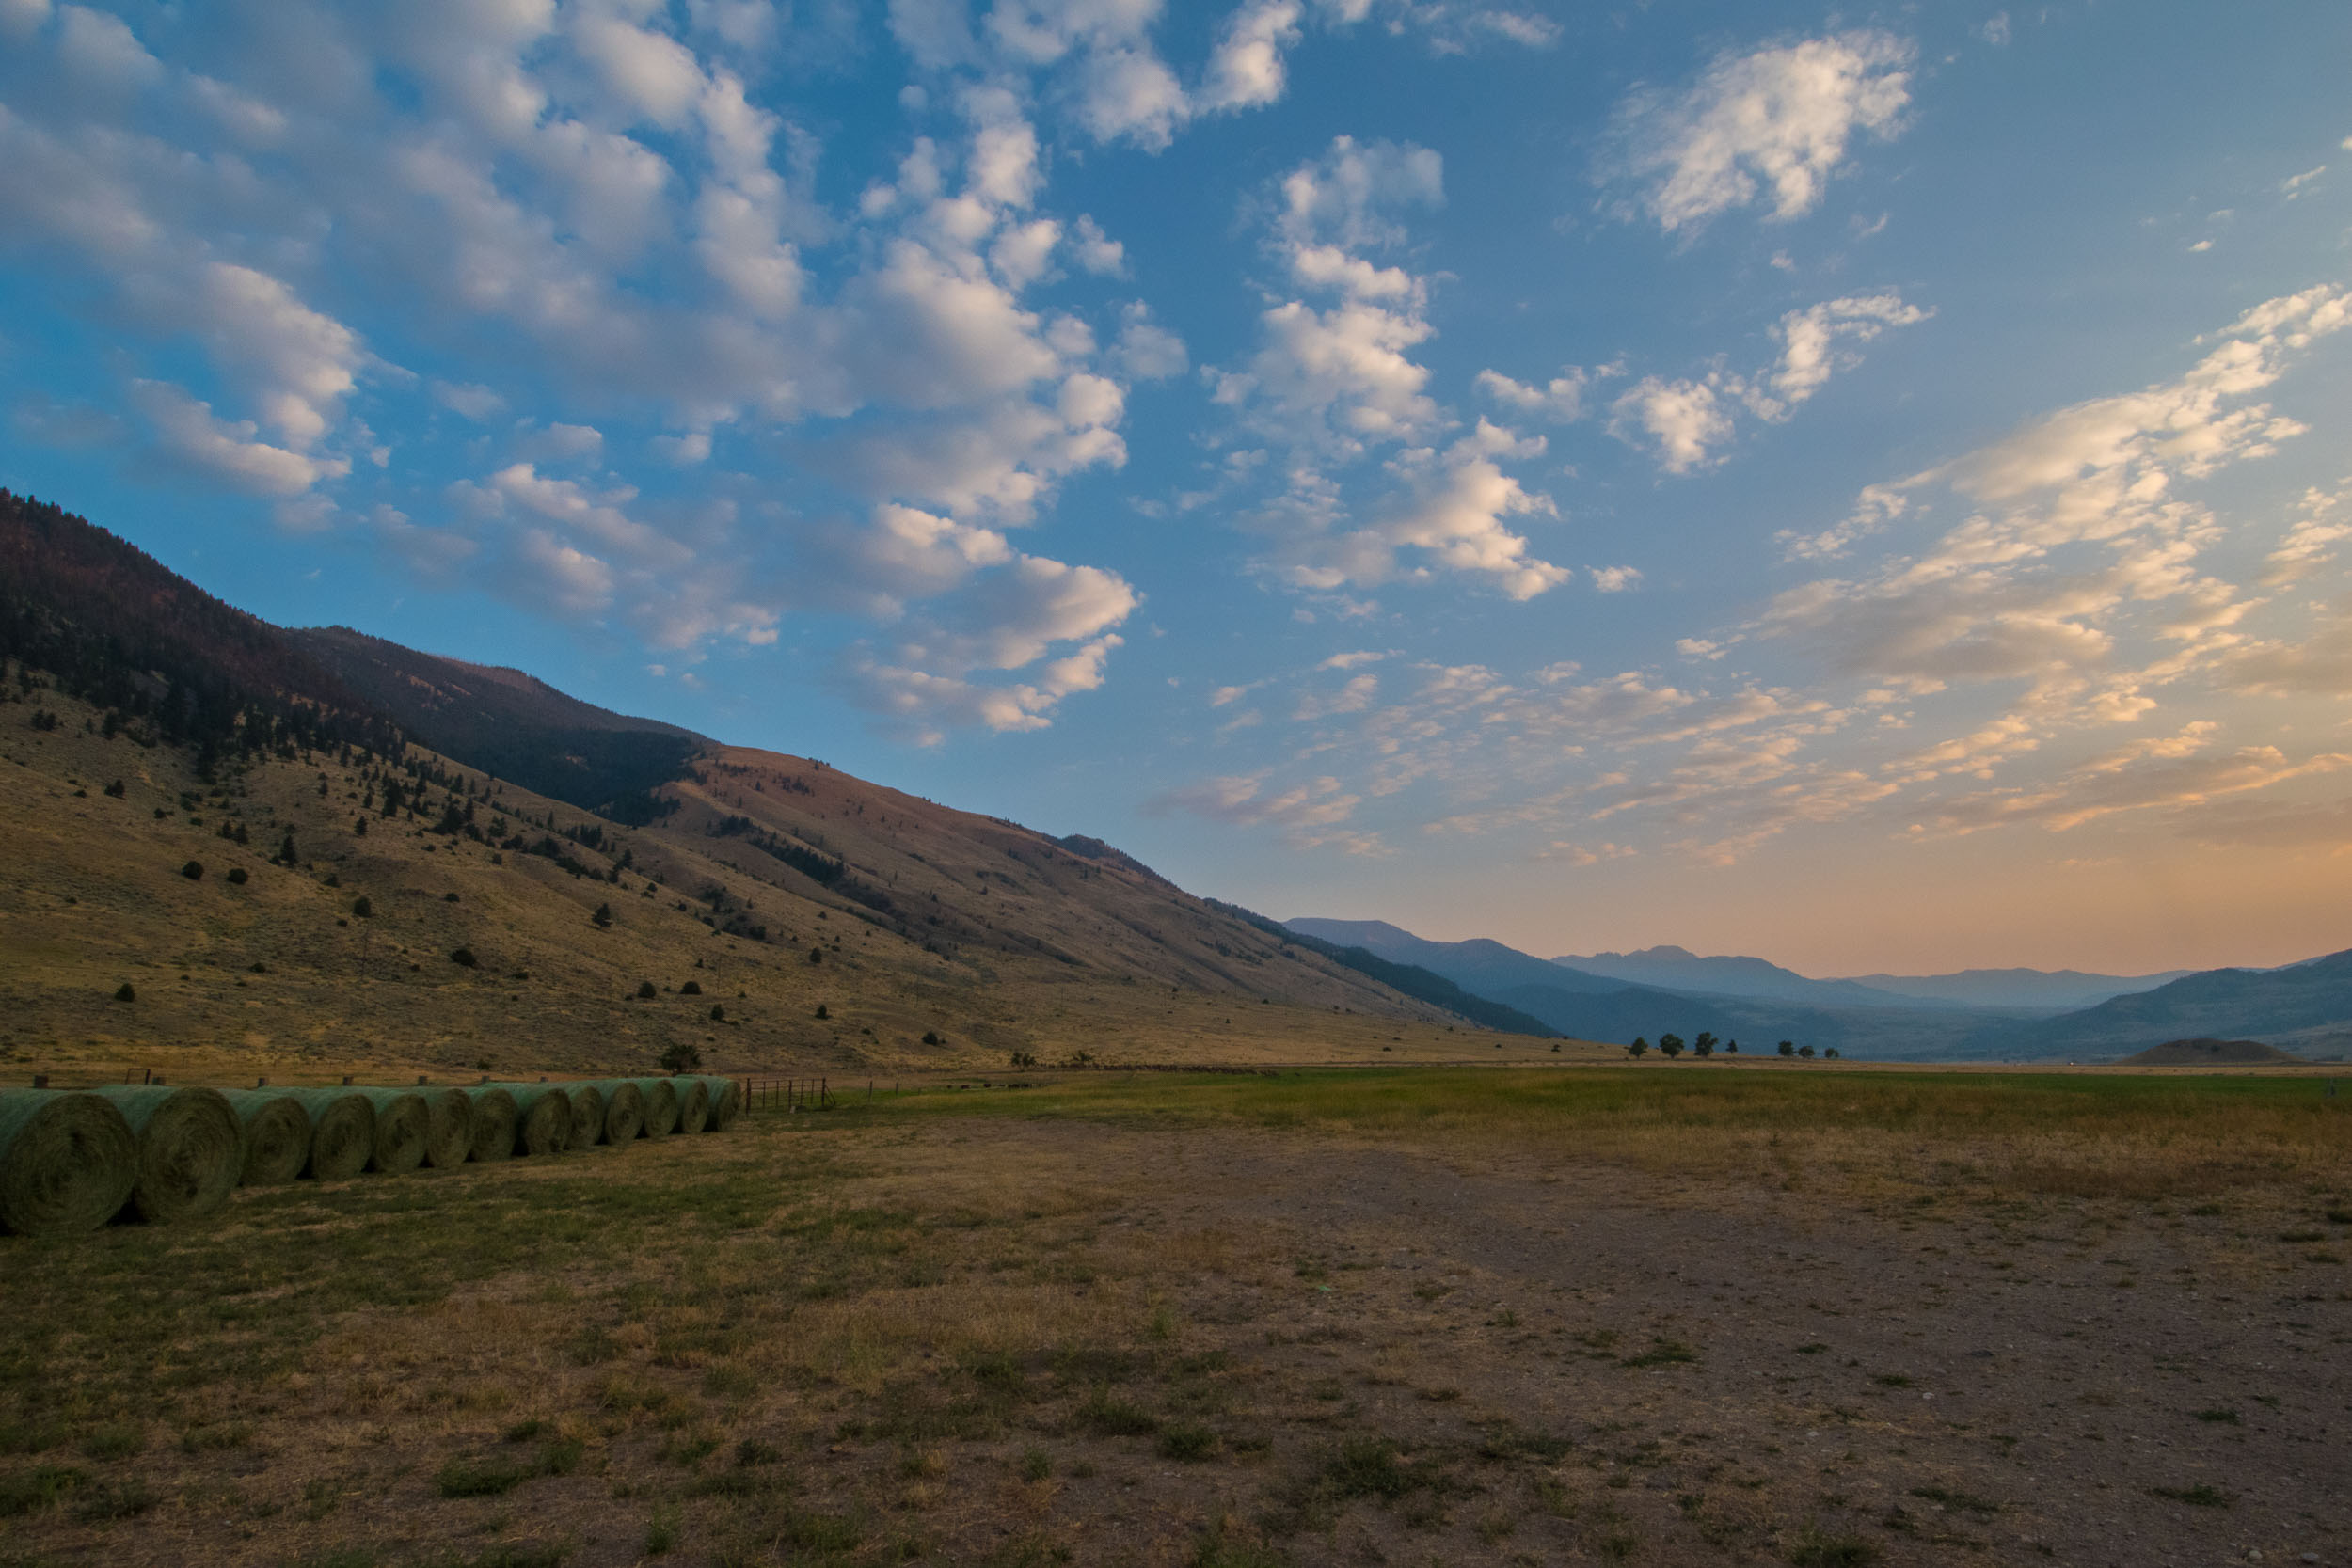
(1679, 422)
(1685, 423)
(188, 434)
(1561, 399)
(1771, 124)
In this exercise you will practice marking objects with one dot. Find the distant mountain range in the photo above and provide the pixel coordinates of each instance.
(1976, 1014)
(2035, 989)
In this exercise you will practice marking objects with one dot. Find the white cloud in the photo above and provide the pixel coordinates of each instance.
(1147, 351)
(1685, 423)
(937, 676)
(1679, 422)
(1306, 812)
(101, 49)
(692, 447)
(1246, 71)
(1772, 123)
(2309, 543)
(226, 450)
(1561, 399)
(1809, 340)
(1097, 252)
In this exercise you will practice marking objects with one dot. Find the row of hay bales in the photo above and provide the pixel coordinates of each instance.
(72, 1160)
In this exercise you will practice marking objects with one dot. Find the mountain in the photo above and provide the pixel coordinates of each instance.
(233, 846)
(510, 725)
(1680, 969)
(2305, 1008)
(1480, 965)
(2049, 991)
(157, 656)
(1601, 1007)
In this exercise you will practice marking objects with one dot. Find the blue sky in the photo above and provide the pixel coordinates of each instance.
(1862, 487)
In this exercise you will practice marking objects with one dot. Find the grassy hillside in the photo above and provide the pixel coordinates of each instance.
(990, 938)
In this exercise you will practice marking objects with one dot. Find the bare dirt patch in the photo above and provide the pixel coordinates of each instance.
(991, 1338)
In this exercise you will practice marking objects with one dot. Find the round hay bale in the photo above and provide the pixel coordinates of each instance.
(693, 1104)
(543, 1118)
(404, 1125)
(660, 1106)
(277, 1135)
(494, 1119)
(623, 1111)
(587, 1114)
(342, 1132)
(191, 1149)
(68, 1162)
(448, 1128)
(726, 1103)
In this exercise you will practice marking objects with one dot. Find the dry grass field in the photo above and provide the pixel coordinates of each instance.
(1814, 1316)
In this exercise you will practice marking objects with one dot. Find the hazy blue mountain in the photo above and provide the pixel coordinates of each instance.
(1680, 969)
(1603, 1008)
(2305, 1008)
(1478, 965)
(2048, 990)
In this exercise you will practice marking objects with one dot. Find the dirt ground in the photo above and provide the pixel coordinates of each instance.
(1232, 1347)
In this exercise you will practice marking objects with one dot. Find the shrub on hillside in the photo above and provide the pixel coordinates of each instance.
(193, 871)
(682, 1057)
(462, 957)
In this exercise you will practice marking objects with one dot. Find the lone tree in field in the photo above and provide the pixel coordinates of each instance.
(1788, 1048)
(1670, 1046)
(1639, 1048)
(1704, 1045)
(682, 1057)
(1805, 1051)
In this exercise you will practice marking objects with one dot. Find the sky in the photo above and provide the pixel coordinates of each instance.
(1867, 488)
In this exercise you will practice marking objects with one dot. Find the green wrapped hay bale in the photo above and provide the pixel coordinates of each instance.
(68, 1162)
(277, 1135)
(726, 1103)
(191, 1149)
(587, 1114)
(342, 1132)
(660, 1106)
(403, 1123)
(694, 1103)
(543, 1118)
(623, 1111)
(448, 1128)
(494, 1119)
